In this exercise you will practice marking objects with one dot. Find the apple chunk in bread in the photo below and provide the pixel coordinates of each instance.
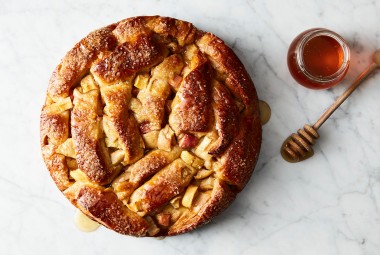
(151, 139)
(166, 139)
(188, 198)
(60, 106)
(192, 160)
(67, 148)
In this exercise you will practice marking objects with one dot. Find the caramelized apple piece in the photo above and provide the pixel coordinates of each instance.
(202, 149)
(203, 173)
(175, 202)
(207, 184)
(151, 139)
(67, 148)
(117, 157)
(71, 163)
(79, 176)
(135, 106)
(176, 82)
(163, 219)
(178, 213)
(59, 106)
(111, 138)
(88, 83)
(166, 139)
(153, 229)
(187, 141)
(192, 160)
(112, 143)
(141, 81)
(187, 199)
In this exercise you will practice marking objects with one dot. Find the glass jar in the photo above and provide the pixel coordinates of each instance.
(318, 58)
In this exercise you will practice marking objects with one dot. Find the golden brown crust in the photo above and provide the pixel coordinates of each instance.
(191, 111)
(163, 186)
(103, 206)
(227, 63)
(91, 154)
(238, 155)
(117, 98)
(221, 197)
(57, 167)
(142, 170)
(151, 163)
(150, 126)
(226, 117)
(54, 127)
(128, 58)
(154, 96)
(54, 130)
(78, 61)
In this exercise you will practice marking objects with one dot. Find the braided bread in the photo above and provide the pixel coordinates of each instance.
(150, 127)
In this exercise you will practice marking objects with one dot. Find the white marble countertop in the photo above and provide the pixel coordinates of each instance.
(329, 204)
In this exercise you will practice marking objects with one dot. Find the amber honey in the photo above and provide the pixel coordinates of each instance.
(318, 58)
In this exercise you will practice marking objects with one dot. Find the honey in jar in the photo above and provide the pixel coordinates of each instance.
(318, 58)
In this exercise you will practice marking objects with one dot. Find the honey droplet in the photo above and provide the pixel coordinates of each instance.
(84, 223)
(265, 112)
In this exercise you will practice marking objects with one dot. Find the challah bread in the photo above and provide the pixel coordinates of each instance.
(150, 126)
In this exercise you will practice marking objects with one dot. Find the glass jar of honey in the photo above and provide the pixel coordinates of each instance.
(318, 58)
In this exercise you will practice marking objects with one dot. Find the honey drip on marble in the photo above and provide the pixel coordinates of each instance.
(84, 223)
(265, 112)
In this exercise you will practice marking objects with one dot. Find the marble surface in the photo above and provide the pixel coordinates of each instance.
(329, 204)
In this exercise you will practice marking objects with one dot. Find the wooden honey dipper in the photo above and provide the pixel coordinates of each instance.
(298, 147)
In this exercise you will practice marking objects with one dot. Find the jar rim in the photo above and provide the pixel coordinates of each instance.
(323, 32)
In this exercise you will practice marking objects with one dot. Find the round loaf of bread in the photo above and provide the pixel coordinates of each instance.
(150, 126)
